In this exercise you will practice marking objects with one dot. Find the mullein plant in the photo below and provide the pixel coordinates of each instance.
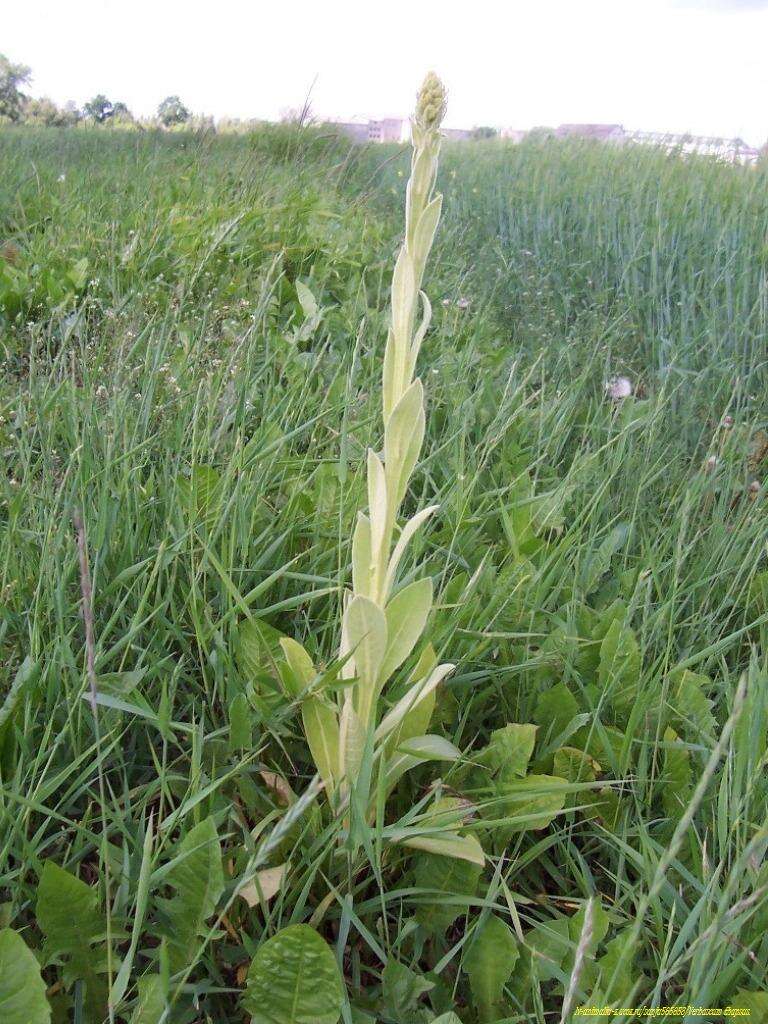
(382, 624)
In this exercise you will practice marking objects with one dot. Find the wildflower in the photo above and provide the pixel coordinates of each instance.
(446, 302)
(618, 388)
(62, 177)
(711, 463)
(463, 303)
(727, 421)
(754, 487)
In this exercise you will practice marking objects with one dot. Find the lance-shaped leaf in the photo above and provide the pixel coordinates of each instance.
(388, 392)
(402, 443)
(404, 293)
(409, 703)
(418, 337)
(403, 541)
(362, 552)
(22, 990)
(366, 630)
(351, 741)
(425, 230)
(416, 751)
(420, 184)
(406, 616)
(321, 726)
(302, 669)
(378, 505)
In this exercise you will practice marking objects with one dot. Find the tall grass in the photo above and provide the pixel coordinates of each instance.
(205, 389)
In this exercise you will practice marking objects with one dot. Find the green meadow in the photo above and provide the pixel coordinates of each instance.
(192, 330)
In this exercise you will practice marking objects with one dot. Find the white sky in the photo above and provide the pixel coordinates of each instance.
(668, 65)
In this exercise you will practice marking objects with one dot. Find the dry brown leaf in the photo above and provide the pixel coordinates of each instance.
(265, 885)
(280, 788)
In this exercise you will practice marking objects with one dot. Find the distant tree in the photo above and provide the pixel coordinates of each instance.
(43, 111)
(12, 77)
(99, 108)
(172, 111)
(484, 132)
(71, 113)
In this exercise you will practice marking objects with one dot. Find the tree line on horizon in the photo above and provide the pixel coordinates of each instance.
(16, 107)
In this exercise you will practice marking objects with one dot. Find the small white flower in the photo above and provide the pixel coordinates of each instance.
(446, 302)
(463, 303)
(62, 177)
(618, 388)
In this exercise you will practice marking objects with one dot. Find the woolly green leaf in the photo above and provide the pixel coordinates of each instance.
(366, 632)
(406, 615)
(403, 300)
(430, 748)
(197, 876)
(402, 443)
(424, 231)
(293, 979)
(68, 917)
(408, 531)
(321, 727)
(302, 670)
(22, 990)
(378, 508)
(352, 737)
(413, 712)
(489, 962)
(361, 556)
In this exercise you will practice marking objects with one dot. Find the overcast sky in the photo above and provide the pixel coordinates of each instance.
(668, 65)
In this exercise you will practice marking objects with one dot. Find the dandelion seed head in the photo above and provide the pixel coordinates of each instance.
(618, 388)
